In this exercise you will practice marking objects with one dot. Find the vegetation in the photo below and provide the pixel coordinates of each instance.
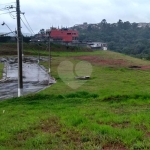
(123, 37)
(109, 111)
(7, 39)
(1, 70)
(39, 48)
(114, 78)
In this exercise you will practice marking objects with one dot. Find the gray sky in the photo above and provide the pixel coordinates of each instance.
(65, 13)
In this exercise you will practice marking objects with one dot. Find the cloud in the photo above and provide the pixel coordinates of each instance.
(43, 14)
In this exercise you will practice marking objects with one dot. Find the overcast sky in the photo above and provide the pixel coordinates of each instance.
(66, 13)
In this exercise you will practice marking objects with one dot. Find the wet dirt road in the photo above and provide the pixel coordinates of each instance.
(35, 77)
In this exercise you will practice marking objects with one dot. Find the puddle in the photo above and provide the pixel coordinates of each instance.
(35, 77)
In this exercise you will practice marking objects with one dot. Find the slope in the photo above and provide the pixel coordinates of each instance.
(109, 111)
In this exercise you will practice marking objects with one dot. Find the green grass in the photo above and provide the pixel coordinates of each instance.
(59, 53)
(54, 122)
(109, 111)
(1, 70)
(105, 80)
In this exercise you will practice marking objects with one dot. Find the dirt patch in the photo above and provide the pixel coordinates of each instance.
(140, 67)
(53, 126)
(116, 146)
(50, 125)
(116, 98)
(97, 60)
(145, 67)
(135, 67)
(122, 125)
(148, 134)
(141, 127)
(105, 62)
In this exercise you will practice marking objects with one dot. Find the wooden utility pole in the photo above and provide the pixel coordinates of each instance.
(19, 49)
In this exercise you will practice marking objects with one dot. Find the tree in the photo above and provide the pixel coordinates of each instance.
(42, 31)
(126, 25)
(104, 24)
(120, 24)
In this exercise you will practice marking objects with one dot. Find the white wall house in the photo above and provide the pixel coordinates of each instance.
(98, 45)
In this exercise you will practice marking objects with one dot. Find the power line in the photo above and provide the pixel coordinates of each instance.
(4, 13)
(7, 3)
(2, 9)
(28, 24)
(7, 7)
(11, 15)
(7, 33)
(7, 12)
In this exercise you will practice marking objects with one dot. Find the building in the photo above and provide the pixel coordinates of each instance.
(85, 26)
(143, 24)
(63, 35)
(97, 45)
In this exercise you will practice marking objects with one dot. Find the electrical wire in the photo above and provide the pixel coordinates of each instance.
(7, 7)
(11, 15)
(28, 24)
(7, 33)
(2, 9)
(7, 3)
(7, 12)
(4, 13)
(10, 30)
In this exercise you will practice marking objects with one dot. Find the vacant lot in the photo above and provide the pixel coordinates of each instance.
(109, 111)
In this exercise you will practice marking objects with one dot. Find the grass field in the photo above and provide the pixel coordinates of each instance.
(109, 111)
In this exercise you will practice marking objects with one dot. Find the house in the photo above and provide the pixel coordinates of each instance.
(97, 45)
(143, 24)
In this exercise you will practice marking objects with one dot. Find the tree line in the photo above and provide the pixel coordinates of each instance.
(10, 39)
(123, 37)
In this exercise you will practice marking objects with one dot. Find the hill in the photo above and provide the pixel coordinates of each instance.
(109, 111)
(124, 37)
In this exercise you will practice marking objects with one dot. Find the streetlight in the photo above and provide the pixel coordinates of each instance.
(7, 27)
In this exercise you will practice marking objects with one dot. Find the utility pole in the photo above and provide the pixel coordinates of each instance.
(19, 49)
(49, 70)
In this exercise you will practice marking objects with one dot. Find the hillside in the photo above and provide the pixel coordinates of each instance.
(109, 111)
(124, 37)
